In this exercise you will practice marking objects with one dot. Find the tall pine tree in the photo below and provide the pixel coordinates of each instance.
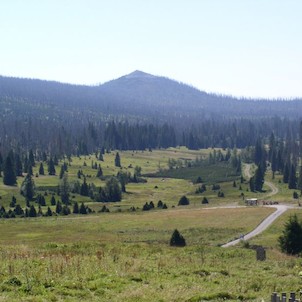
(28, 187)
(51, 167)
(117, 160)
(292, 180)
(9, 177)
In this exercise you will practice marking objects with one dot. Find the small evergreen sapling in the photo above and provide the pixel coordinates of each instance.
(177, 239)
(183, 201)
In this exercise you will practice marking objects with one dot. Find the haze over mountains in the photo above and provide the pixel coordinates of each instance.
(146, 96)
(134, 112)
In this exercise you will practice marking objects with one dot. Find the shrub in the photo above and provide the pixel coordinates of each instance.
(183, 201)
(220, 194)
(204, 201)
(160, 204)
(215, 187)
(198, 180)
(291, 240)
(177, 239)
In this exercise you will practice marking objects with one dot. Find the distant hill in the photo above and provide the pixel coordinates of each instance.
(144, 95)
(134, 112)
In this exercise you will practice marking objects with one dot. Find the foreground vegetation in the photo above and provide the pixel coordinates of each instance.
(125, 255)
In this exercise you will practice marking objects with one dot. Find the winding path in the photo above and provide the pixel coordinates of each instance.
(268, 220)
(262, 226)
(274, 189)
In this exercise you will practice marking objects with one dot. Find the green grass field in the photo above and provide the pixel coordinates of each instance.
(126, 256)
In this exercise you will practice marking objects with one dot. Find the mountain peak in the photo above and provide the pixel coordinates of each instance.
(138, 74)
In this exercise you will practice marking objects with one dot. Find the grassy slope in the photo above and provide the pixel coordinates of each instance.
(125, 256)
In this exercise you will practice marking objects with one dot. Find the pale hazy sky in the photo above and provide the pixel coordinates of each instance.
(238, 47)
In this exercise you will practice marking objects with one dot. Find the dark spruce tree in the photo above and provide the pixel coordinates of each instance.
(48, 212)
(82, 209)
(99, 172)
(58, 207)
(183, 201)
(113, 190)
(1, 164)
(286, 173)
(64, 189)
(292, 180)
(13, 202)
(291, 239)
(30, 170)
(41, 169)
(31, 158)
(28, 187)
(62, 171)
(117, 160)
(51, 167)
(18, 165)
(84, 188)
(53, 200)
(177, 239)
(9, 177)
(32, 212)
(75, 208)
(299, 183)
(259, 179)
(18, 210)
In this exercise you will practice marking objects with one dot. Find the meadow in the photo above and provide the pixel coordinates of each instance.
(123, 255)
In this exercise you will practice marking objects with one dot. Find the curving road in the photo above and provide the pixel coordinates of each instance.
(268, 220)
(274, 189)
(262, 226)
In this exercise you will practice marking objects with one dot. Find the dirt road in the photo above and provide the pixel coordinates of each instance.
(268, 220)
(262, 226)
(248, 174)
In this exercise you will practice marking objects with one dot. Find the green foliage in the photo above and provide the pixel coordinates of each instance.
(299, 182)
(286, 173)
(291, 240)
(99, 172)
(41, 200)
(84, 191)
(64, 189)
(75, 208)
(183, 201)
(83, 209)
(257, 181)
(58, 207)
(117, 160)
(177, 239)
(112, 191)
(41, 169)
(148, 206)
(220, 194)
(28, 187)
(209, 173)
(32, 211)
(9, 177)
(62, 171)
(53, 200)
(18, 210)
(204, 201)
(138, 171)
(295, 195)
(48, 212)
(51, 167)
(198, 180)
(201, 189)
(292, 180)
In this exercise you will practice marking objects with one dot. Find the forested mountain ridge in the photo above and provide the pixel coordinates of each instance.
(147, 96)
(135, 111)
